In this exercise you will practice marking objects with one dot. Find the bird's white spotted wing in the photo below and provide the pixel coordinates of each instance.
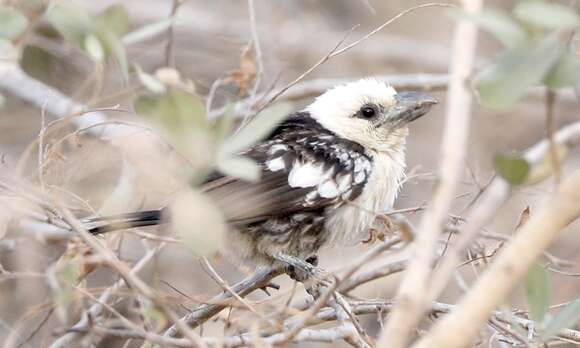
(304, 168)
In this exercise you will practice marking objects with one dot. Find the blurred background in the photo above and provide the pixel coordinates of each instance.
(128, 172)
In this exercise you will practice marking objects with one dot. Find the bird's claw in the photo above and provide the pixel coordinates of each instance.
(271, 285)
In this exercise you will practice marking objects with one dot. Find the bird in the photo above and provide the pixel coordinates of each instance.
(326, 171)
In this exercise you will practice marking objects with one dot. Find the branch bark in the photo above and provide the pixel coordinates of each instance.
(259, 279)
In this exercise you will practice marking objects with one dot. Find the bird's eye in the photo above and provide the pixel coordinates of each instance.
(368, 112)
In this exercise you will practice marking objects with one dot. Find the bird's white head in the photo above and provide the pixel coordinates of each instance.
(370, 112)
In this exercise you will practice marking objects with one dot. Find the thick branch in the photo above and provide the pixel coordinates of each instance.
(411, 303)
(16, 82)
(259, 279)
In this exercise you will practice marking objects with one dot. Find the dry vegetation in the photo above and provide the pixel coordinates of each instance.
(111, 107)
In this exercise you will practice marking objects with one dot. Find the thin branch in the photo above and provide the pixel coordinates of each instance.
(337, 51)
(257, 47)
(259, 279)
(169, 47)
(96, 309)
(550, 129)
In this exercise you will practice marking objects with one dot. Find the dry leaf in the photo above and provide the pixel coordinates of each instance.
(524, 217)
(245, 76)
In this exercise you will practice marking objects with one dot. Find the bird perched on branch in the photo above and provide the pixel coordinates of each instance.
(326, 171)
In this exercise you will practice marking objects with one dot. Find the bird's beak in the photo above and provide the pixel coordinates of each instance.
(409, 107)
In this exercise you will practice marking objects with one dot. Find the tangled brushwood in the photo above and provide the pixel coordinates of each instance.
(261, 174)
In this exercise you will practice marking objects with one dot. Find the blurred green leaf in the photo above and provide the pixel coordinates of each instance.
(256, 130)
(223, 125)
(498, 24)
(37, 62)
(71, 20)
(150, 82)
(239, 167)
(175, 111)
(513, 169)
(12, 22)
(147, 32)
(566, 318)
(510, 78)
(154, 315)
(112, 46)
(114, 18)
(7, 50)
(538, 292)
(199, 223)
(64, 280)
(93, 47)
(565, 73)
(547, 14)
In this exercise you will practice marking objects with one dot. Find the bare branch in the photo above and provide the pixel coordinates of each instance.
(259, 279)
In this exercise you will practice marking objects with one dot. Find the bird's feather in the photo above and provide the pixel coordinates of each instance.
(304, 168)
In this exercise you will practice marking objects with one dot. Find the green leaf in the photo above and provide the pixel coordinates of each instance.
(94, 48)
(70, 19)
(547, 15)
(240, 167)
(147, 32)
(565, 73)
(114, 18)
(13, 22)
(63, 280)
(199, 223)
(112, 46)
(513, 169)
(510, 78)
(177, 112)
(223, 125)
(538, 292)
(498, 24)
(154, 315)
(150, 82)
(256, 130)
(566, 318)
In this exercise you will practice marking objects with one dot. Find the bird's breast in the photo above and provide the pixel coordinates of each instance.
(349, 223)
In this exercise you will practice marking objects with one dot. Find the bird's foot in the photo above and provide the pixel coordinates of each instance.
(303, 270)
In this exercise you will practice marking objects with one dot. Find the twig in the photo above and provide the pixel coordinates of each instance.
(410, 298)
(169, 51)
(257, 48)
(550, 129)
(337, 51)
(459, 327)
(96, 309)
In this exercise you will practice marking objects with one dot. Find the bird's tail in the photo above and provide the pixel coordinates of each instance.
(120, 222)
